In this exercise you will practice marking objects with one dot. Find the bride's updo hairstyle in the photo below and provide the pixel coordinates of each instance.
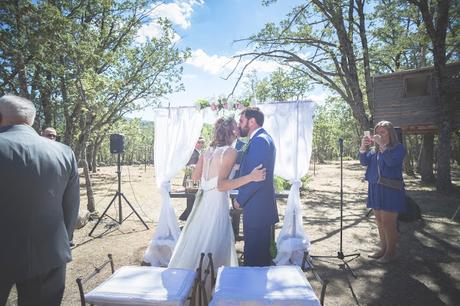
(223, 132)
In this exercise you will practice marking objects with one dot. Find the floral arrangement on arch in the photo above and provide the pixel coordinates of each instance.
(223, 104)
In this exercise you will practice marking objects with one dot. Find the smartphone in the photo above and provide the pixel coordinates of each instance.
(367, 133)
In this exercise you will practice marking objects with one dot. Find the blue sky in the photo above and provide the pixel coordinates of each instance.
(209, 28)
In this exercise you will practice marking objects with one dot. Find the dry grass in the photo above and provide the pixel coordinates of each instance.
(426, 272)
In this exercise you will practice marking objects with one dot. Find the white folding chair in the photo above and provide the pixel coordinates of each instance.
(274, 285)
(140, 285)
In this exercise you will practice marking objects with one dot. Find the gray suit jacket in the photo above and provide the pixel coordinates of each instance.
(39, 202)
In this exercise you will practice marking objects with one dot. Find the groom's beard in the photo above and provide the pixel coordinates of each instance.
(243, 132)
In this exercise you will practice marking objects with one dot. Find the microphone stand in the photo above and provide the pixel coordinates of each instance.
(340, 254)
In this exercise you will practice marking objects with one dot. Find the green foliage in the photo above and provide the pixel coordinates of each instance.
(281, 85)
(282, 184)
(206, 133)
(320, 42)
(138, 140)
(399, 36)
(82, 64)
(223, 103)
(202, 103)
(400, 42)
(334, 120)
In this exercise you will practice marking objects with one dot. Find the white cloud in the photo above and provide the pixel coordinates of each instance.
(152, 30)
(219, 65)
(175, 13)
(178, 12)
(213, 64)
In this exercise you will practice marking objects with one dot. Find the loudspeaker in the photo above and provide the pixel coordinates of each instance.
(117, 144)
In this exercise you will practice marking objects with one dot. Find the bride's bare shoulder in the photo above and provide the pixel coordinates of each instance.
(230, 152)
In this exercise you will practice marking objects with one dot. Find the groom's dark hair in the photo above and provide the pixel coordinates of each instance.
(254, 112)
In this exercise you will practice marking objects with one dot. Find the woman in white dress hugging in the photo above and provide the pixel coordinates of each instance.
(208, 228)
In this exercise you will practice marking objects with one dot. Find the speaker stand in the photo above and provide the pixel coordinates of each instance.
(118, 195)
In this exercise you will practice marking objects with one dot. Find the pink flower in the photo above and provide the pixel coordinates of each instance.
(225, 105)
(213, 106)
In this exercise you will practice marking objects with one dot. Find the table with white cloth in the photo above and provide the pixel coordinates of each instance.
(136, 285)
(274, 285)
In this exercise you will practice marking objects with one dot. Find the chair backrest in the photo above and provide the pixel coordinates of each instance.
(202, 274)
(82, 280)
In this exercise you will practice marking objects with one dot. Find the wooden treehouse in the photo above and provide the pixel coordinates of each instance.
(408, 99)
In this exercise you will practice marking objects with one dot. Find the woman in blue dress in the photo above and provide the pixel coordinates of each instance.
(384, 159)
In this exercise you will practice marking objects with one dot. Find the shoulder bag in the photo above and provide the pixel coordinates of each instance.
(391, 183)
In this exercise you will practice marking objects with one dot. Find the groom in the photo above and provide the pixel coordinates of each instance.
(257, 199)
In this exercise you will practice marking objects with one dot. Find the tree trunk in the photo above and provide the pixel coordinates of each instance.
(426, 159)
(436, 19)
(407, 164)
(48, 109)
(89, 156)
(89, 188)
(456, 149)
(69, 123)
(97, 146)
(443, 179)
(93, 160)
(366, 59)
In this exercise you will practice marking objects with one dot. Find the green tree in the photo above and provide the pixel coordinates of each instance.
(79, 61)
(442, 32)
(282, 86)
(334, 120)
(325, 41)
(400, 43)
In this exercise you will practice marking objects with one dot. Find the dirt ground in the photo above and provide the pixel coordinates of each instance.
(426, 272)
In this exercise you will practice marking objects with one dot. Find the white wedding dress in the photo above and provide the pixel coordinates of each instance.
(208, 228)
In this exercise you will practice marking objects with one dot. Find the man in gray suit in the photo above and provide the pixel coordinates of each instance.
(39, 201)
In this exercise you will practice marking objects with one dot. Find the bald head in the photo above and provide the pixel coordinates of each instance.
(49, 133)
(16, 110)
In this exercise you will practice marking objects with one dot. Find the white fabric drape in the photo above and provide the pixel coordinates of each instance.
(176, 133)
(291, 126)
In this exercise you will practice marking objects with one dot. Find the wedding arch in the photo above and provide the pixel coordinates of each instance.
(176, 130)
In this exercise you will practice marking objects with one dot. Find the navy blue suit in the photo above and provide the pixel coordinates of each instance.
(258, 200)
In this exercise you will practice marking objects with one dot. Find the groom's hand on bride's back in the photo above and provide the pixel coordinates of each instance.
(258, 174)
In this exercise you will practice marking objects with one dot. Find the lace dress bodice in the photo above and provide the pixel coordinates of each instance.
(212, 162)
(208, 228)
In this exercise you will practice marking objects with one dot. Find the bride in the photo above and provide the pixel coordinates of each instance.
(208, 228)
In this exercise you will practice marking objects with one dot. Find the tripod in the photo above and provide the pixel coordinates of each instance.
(340, 254)
(119, 195)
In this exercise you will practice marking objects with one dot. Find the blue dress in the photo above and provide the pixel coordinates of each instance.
(390, 163)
